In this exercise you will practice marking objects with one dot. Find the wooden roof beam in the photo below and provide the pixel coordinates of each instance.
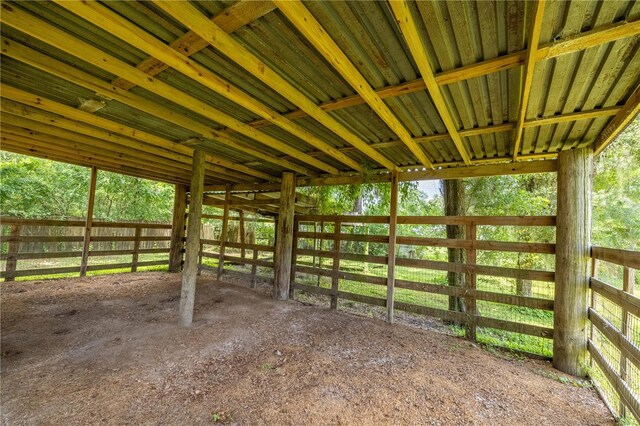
(307, 24)
(601, 35)
(197, 22)
(411, 34)
(22, 148)
(622, 119)
(67, 72)
(529, 68)
(504, 127)
(109, 21)
(27, 23)
(230, 19)
(9, 105)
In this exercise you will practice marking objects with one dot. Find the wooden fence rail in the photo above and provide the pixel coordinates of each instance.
(319, 251)
(615, 329)
(21, 239)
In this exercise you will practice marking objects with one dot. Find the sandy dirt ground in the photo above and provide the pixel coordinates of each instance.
(107, 350)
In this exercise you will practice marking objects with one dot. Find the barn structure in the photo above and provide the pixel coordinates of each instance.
(238, 103)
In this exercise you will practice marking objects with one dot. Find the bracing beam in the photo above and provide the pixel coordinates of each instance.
(411, 34)
(529, 67)
(620, 121)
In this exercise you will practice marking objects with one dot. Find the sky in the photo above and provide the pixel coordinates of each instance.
(430, 187)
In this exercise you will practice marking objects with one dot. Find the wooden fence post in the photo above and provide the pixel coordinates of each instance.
(12, 254)
(470, 282)
(284, 237)
(189, 274)
(89, 221)
(573, 229)
(391, 259)
(335, 273)
(629, 286)
(200, 256)
(136, 249)
(177, 228)
(241, 230)
(294, 249)
(254, 268)
(320, 245)
(224, 231)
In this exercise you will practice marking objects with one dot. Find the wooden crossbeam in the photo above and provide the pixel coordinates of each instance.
(142, 148)
(49, 34)
(529, 68)
(66, 72)
(307, 24)
(104, 18)
(411, 34)
(230, 19)
(504, 127)
(622, 119)
(600, 35)
(197, 22)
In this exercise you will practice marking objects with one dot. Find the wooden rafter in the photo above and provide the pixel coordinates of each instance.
(622, 119)
(305, 22)
(601, 35)
(529, 68)
(118, 26)
(230, 19)
(411, 34)
(51, 35)
(210, 32)
(103, 89)
(497, 128)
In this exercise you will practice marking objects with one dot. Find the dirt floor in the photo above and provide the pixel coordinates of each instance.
(107, 350)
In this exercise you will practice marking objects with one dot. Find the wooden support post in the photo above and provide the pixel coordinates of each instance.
(294, 260)
(136, 249)
(242, 232)
(89, 221)
(224, 232)
(470, 282)
(12, 254)
(200, 256)
(629, 286)
(177, 228)
(189, 274)
(391, 260)
(284, 237)
(254, 269)
(320, 245)
(335, 274)
(572, 261)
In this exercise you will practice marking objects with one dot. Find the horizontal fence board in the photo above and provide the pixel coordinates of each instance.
(71, 269)
(312, 289)
(108, 238)
(45, 239)
(345, 237)
(210, 242)
(515, 247)
(627, 258)
(81, 223)
(127, 252)
(344, 219)
(247, 261)
(245, 275)
(258, 247)
(622, 342)
(41, 255)
(496, 271)
(343, 256)
(619, 297)
(370, 279)
(478, 220)
(621, 388)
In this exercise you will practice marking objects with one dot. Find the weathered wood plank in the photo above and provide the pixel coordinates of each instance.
(627, 258)
(284, 237)
(620, 341)
(619, 297)
(87, 227)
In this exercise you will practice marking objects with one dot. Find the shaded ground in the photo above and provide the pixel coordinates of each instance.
(107, 350)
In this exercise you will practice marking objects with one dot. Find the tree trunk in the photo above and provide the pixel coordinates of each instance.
(454, 205)
(524, 287)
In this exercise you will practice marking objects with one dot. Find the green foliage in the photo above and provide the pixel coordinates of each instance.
(33, 188)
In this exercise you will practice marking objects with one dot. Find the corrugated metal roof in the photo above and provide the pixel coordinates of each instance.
(455, 34)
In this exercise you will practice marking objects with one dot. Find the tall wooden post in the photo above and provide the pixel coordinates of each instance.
(572, 261)
(335, 264)
(391, 261)
(88, 223)
(189, 274)
(177, 228)
(224, 232)
(241, 230)
(284, 239)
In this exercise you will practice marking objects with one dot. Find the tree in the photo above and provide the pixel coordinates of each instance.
(454, 205)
